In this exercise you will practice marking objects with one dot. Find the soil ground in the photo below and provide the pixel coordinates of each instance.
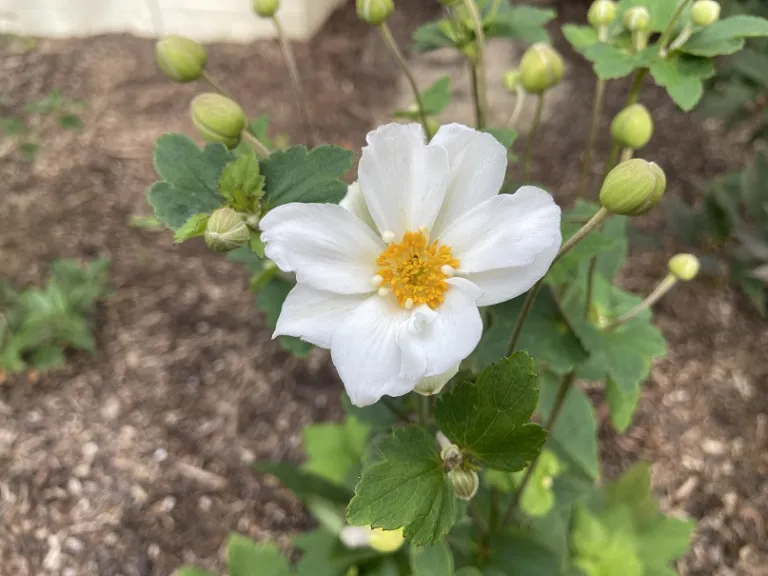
(133, 461)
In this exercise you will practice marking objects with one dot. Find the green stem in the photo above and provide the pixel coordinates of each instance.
(423, 410)
(597, 110)
(518, 109)
(216, 85)
(389, 40)
(480, 82)
(664, 286)
(256, 144)
(637, 83)
(666, 36)
(298, 91)
(593, 223)
(399, 414)
(562, 393)
(626, 155)
(590, 285)
(475, 94)
(532, 138)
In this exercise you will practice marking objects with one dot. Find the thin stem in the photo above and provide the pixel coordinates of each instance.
(478, 65)
(475, 93)
(298, 91)
(216, 85)
(562, 393)
(670, 29)
(664, 286)
(597, 110)
(392, 407)
(590, 285)
(423, 410)
(682, 38)
(389, 40)
(593, 223)
(493, 514)
(518, 110)
(532, 138)
(637, 83)
(626, 154)
(256, 144)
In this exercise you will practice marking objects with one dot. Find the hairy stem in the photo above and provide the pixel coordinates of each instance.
(597, 110)
(255, 143)
(479, 79)
(670, 29)
(529, 143)
(389, 40)
(664, 286)
(298, 91)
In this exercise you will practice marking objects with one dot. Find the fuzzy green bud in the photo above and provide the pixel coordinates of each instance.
(632, 127)
(374, 12)
(218, 119)
(266, 8)
(226, 230)
(465, 483)
(633, 187)
(637, 19)
(181, 59)
(512, 80)
(684, 267)
(705, 12)
(541, 68)
(601, 13)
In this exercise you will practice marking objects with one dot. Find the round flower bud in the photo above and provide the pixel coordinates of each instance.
(684, 267)
(266, 8)
(637, 19)
(465, 483)
(632, 127)
(226, 230)
(386, 541)
(601, 13)
(218, 119)
(512, 79)
(451, 456)
(181, 59)
(705, 12)
(541, 68)
(374, 12)
(633, 187)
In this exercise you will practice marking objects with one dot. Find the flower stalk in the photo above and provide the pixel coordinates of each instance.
(215, 84)
(597, 110)
(258, 146)
(529, 143)
(479, 79)
(657, 294)
(666, 35)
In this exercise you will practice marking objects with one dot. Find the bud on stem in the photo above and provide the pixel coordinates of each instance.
(465, 483)
(633, 188)
(374, 12)
(218, 119)
(226, 230)
(266, 8)
(541, 68)
(181, 59)
(601, 13)
(632, 127)
(705, 12)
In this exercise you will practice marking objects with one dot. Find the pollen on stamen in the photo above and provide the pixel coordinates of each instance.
(383, 291)
(388, 236)
(377, 280)
(447, 270)
(408, 305)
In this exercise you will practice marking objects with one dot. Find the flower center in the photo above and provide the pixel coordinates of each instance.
(415, 270)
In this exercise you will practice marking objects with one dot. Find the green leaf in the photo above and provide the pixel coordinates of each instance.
(407, 487)
(506, 136)
(324, 555)
(437, 97)
(521, 553)
(300, 175)
(610, 62)
(192, 571)
(241, 183)
(580, 37)
(682, 76)
(538, 499)
(302, 483)
(432, 36)
(661, 12)
(334, 451)
(192, 228)
(546, 335)
(490, 418)
(47, 358)
(524, 23)
(432, 560)
(259, 127)
(70, 122)
(270, 299)
(247, 558)
(190, 177)
(574, 435)
(726, 36)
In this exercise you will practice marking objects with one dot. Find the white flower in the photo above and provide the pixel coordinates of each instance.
(391, 279)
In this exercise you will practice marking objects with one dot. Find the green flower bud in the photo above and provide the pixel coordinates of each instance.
(633, 187)
(181, 59)
(226, 230)
(218, 119)
(637, 19)
(266, 8)
(512, 80)
(541, 68)
(684, 267)
(374, 12)
(465, 483)
(705, 12)
(632, 127)
(601, 13)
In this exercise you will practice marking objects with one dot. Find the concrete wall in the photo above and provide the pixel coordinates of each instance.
(204, 20)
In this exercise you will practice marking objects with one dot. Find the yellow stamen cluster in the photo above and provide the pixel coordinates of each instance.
(416, 270)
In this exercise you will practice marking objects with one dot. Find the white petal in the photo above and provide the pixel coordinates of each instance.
(450, 336)
(324, 245)
(403, 180)
(506, 231)
(478, 164)
(354, 202)
(314, 315)
(365, 352)
(431, 385)
(355, 536)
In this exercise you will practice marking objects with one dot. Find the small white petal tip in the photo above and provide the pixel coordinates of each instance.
(447, 270)
(377, 280)
(388, 236)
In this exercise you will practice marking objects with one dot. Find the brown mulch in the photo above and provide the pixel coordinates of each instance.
(134, 460)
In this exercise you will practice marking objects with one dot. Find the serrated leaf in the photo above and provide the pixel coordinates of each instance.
(247, 558)
(406, 488)
(437, 97)
(726, 36)
(241, 183)
(190, 177)
(506, 136)
(610, 62)
(682, 76)
(580, 37)
(432, 36)
(526, 23)
(752, 64)
(334, 450)
(302, 483)
(432, 559)
(490, 418)
(521, 553)
(192, 228)
(301, 175)
(324, 555)
(661, 12)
